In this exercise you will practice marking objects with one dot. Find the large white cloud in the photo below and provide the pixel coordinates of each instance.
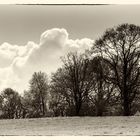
(17, 63)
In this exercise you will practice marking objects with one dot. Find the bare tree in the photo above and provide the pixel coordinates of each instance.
(39, 89)
(76, 79)
(120, 46)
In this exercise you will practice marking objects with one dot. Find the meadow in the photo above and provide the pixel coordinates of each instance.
(71, 126)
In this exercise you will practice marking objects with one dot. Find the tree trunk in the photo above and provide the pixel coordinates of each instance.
(99, 110)
(78, 107)
(43, 108)
(99, 113)
(126, 107)
(125, 91)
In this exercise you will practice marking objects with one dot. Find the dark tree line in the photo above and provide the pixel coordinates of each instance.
(102, 81)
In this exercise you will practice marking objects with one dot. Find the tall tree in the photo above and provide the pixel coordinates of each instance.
(39, 90)
(76, 78)
(120, 46)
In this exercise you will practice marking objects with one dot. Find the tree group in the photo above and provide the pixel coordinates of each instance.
(104, 80)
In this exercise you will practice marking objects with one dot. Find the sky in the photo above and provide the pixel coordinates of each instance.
(33, 38)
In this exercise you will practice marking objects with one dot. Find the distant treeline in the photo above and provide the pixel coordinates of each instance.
(103, 81)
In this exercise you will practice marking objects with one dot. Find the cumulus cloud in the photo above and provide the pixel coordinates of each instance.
(54, 36)
(17, 63)
(8, 78)
(79, 45)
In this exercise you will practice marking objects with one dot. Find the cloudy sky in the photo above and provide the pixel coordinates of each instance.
(32, 38)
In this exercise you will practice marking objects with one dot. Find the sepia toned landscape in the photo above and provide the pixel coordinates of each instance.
(69, 70)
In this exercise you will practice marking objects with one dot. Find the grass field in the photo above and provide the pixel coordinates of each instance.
(71, 126)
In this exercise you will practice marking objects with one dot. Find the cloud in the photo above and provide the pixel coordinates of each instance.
(17, 63)
(79, 45)
(8, 78)
(54, 37)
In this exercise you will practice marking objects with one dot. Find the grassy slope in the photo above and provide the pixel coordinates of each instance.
(72, 126)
